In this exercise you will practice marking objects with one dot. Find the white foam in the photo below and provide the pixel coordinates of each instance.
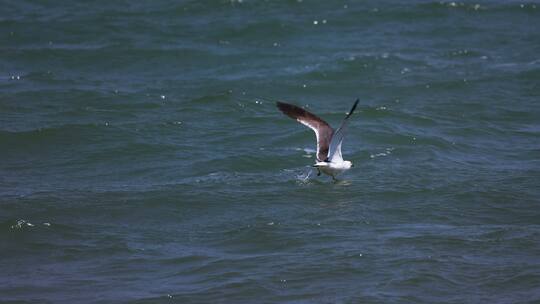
(22, 223)
(387, 152)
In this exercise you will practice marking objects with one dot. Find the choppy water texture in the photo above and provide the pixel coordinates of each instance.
(142, 159)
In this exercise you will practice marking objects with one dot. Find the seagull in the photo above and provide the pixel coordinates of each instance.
(329, 158)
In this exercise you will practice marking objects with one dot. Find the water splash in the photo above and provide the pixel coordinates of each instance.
(21, 224)
(386, 152)
(304, 178)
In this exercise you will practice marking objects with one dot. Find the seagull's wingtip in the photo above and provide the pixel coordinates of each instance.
(290, 110)
(353, 108)
(281, 104)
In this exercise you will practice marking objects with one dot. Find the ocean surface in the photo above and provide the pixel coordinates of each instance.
(143, 160)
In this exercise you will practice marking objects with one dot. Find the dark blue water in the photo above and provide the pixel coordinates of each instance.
(142, 159)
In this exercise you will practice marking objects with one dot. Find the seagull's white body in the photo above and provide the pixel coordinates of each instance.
(333, 168)
(329, 158)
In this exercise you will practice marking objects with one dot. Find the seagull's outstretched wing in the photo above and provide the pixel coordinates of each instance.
(322, 129)
(334, 154)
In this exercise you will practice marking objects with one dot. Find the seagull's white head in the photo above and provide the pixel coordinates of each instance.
(347, 164)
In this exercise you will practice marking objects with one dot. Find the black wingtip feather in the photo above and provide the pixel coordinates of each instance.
(290, 110)
(353, 108)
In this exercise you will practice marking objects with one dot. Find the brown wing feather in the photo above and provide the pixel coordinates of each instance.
(322, 129)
